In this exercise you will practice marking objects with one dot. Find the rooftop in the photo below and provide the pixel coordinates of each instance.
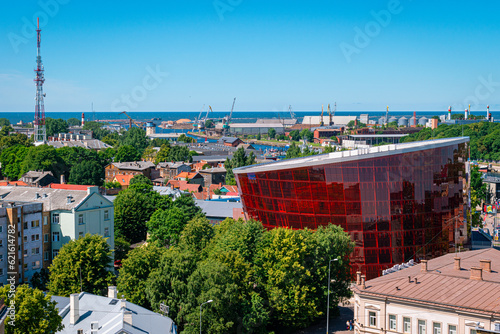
(443, 284)
(213, 170)
(352, 155)
(218, 209)
(94, 144)
(134, 165)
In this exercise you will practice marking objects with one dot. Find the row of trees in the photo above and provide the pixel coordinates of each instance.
(239, 159)
(259, 280)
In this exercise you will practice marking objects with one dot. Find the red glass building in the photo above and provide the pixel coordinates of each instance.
(398, 202)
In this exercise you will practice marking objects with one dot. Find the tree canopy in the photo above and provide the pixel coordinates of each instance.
(35, 312)
(239, 159)
(81, 265)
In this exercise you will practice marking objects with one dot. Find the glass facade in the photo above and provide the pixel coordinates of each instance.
(395, 207)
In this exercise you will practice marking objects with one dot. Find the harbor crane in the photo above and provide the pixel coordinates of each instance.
(321, 123)
(227, 119)
(130, 120)
(292, 114)
(197, 119)
(201, 123)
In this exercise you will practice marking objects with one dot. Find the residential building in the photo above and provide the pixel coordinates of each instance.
(192, 178)
(213, 161)
(185, 186)
(393, 200)
(327, 132)
(25, 220)
(230, 141)
(90, 144)
(493, 182)
(37, 178)
(170, 169)
(217, 211)
(451, 294)
(69, 212)
(255, 128)
(123, 180)
(87, 313)
(129, 168)
(213, 175)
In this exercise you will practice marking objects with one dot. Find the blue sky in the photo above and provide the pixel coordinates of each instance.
(410, 55)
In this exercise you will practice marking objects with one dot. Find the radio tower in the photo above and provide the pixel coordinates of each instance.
(40, 133)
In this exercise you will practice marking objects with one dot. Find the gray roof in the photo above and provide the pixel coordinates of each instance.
(218, 209)
(173, 165)
(36, 175)
(228, 139)
(134, 165)
(52, 199)
(212, 170)
(168, 191)
(109, 313)
(210, 158)
(93, 144)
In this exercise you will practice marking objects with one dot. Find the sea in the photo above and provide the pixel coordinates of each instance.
(238, 116)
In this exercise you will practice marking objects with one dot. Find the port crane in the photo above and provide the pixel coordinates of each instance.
(197, 119)
(227, 119)
(201, 123)
(130, 120)
(321, 123)
(292, 114)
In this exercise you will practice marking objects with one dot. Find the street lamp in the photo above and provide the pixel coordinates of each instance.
(208, 301)
(328, 300)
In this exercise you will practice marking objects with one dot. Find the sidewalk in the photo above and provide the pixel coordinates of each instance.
(337, 324)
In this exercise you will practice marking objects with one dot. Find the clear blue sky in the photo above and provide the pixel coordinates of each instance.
(268, 54)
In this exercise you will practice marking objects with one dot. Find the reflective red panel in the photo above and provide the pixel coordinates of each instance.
(395, 208)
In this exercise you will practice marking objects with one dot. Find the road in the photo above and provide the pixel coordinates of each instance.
(337, 324)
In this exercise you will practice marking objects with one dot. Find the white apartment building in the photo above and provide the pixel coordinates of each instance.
(452, 294)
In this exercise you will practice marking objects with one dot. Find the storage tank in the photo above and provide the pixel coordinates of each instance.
(411, 121)
(381, 120)
(403, 121)
(422, 121)
(392, 119)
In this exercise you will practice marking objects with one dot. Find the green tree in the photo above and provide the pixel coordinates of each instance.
(163, 153)
(149, 153)
(258, 136)
(73, 122)
(97, 131)
(4, 122)
(271, 133)
(89, 258)
(307, 134)
(179, 153)
(166, 225)
(185, 139)
(196, 235)
(15, 139)
(106, 156)
(293, 152)
(137, 138)
(209, 124)
(87, 173)
(140, 178)
(240, 159)
(35, 312)
(112, 139)
(135, 271)
(133, 208)
(55, 126)
(127, 153)
(6, 130)
(122, 247)
(11, 159)
(40, 279)
(295, 135)
(43, 157)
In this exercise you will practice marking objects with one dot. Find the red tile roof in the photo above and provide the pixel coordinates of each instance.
(123, 179)
(231, 189)
(68, 186)
(12, 183)
(185, 175)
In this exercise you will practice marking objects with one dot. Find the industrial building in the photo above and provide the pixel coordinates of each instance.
(397, 202)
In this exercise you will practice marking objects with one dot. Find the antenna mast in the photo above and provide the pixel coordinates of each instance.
(39, 124)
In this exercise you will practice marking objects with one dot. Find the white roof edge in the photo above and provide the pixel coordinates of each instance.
(344, 156)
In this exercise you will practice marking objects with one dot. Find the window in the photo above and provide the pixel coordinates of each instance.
(1, 257)
(1, 229)
(35, 251)
(25, 252)
(80, 219)
(55, 252)
(406, 325)
(1, 272)
(473, 331)
(55, 236)
(25, 225)
(35, 237)
(1, 243)
(25, 238)
(392, 322)
(452, 329)
(373, 319)
(106, 215)
(106, 231)
(421, 327)
(25, 267)
(80, 235)
(55, 218)
(436, 328)
(46, 256)
(46, 237)
(36, 264)
(45, 220)
(35, 223)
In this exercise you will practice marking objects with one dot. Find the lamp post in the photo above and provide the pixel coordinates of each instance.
(208, 301)
(328, 300)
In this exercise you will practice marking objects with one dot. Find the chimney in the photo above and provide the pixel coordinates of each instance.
(423, 266)
(37, 195)
(74, 313)
(363, 284)
(486, 265)
(457, 263)
(112, 293)
(476, 273)
(409, 279)
(416, 280)
(123, 302)
(68, 199)
(63, 181)
(358, 277)
(127, 317)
